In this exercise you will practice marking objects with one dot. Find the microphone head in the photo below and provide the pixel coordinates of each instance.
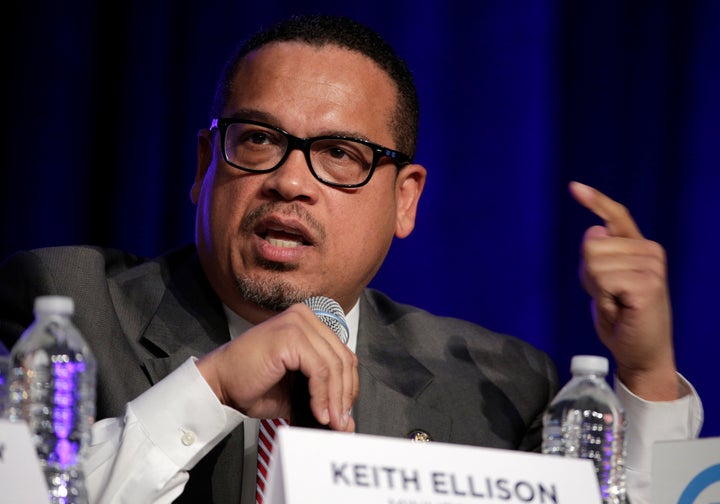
(332, 315)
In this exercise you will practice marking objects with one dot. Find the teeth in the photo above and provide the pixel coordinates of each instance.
(283, 243)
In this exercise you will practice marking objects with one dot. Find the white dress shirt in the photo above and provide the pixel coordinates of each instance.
(145, 455)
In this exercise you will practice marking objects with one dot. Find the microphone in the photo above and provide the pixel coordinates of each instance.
(333, 316)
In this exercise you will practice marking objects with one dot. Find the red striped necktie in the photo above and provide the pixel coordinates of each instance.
(266, 437)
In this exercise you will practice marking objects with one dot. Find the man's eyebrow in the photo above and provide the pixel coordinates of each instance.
(266, 117)
(255, 115)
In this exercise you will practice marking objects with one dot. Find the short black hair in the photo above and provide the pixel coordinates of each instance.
(320, 30)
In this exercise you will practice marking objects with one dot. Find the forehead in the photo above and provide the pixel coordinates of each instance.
(315, 90)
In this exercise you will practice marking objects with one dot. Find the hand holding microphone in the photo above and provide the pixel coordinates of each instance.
(333, 316)
(254, 373)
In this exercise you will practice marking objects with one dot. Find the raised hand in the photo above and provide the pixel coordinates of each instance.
(626, 276)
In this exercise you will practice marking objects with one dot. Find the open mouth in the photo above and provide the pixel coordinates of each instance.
(283, 228)
(283, 237)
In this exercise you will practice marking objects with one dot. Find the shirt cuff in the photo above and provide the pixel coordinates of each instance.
(183, 417)
(652, 421)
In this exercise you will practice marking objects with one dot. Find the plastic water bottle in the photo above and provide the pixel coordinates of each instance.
(586, 420)
(52, 388)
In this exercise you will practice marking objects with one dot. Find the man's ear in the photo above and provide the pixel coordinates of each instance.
(408, 188)
(204, 158)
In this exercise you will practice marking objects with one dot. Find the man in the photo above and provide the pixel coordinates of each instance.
(304, 177)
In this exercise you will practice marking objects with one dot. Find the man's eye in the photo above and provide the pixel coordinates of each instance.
(258, 137)
(337, 153)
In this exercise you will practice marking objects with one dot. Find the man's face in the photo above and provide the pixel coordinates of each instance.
(284, 236)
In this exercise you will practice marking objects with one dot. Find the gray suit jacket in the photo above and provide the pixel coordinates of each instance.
(451, 379)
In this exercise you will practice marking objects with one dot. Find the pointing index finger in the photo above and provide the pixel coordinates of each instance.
(616, 216)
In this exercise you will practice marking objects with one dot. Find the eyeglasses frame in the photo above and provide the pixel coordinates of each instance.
(303, 144)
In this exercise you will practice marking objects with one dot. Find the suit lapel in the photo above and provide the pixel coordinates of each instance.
(182, 316)
(392, 382)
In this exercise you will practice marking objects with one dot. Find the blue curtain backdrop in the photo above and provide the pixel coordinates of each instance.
(102, 102)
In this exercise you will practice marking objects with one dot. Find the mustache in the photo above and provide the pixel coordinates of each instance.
(251, 220)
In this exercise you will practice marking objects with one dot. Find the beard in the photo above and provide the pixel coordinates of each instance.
(271, 291)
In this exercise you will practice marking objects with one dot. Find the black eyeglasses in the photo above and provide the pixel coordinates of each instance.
(337, 161)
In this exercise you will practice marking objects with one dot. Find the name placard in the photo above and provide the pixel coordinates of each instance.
(686, 472)
(21, 479)
(326, 467)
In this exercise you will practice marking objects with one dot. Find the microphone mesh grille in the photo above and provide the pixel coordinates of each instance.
(331, 314)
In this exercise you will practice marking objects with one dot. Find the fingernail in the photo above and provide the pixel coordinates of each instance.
(325, 417)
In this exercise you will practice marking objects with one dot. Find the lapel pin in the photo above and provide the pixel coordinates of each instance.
(419, 436)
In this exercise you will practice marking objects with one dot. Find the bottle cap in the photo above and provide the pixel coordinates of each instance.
(589, 364)
(63, 305)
